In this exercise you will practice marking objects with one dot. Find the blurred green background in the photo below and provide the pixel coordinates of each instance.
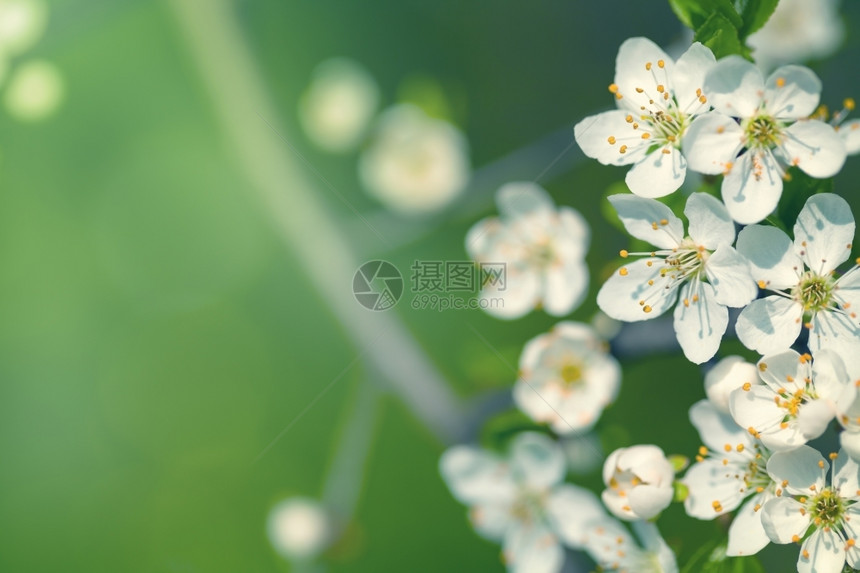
(157, 333)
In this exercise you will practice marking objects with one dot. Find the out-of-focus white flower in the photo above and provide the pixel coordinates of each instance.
(22, 23)
(338, 105)
(583, 452)
(730, 468)
(415, 164)
(542, 249)
(727, 375)
(831, 511)
(801, 276)
(768, 119)
(567, 378)
(35, 91)
(799, 397)
(521, 501)
(657, 99)
(614, 549)
(798, 31)
(702, 267)
(299, 528)
(638, 481)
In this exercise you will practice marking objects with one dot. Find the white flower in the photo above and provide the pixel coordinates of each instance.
(338, 105)
(415, 164)
(299, 528)
(798, 30)
(22, 23)
(830, 511)
(657, 99)
(848, 131)
(728, 470)
(567, 378)
(801, 276)
(35, 91)
(542, 248)
(614, 549)
(757, 127)
(728, 374)
(638, 481)
(799, 397)
(702, 267)
(522, 501)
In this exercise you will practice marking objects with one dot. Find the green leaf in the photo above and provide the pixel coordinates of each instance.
(755, 13)
(499, 429)
(721, 36)
(711, 558)
(694, 13)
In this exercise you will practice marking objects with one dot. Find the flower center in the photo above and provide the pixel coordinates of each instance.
(826, 508)
(528, 507)
(686, 261)
(541, 254)
(571, 374)
(762, 132)
(814, 292)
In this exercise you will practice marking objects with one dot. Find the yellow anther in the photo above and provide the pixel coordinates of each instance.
(762, 284)
(622, 271)
(611, 140)
(648, 66)
(780, 82)
(661, 88)
(717, 506)
(739, 447)
(762, 366)
(646, 308)
(821, 464)
(623, 253)
(629, 119)
(623, 149)
(661, 63)
(613, 88)
(848, 104)
(747, 386)
(703, 450)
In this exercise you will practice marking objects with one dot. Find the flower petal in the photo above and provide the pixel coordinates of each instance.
(537, 460)
(752, 187)
(711, 485)
(824, 232)
(564, 287)
(659, 173)
(729, 273)
(782, 519)
(621, 294)
(476, 476)
(802, 468)
(522, 198)
(569, 509)
(773, 260)
(594, 134)
(746, 533)
(849, 440)
(491, 520)
(532, 548)
(792, 92)
(632, 71)
(710, 223)
(769, 325)
(718, 430)
(846, 475)
(815, 147)
(519, 297)
(837, 331)
(734, 87)
(850, 134)
(814, 417)
(574, 228)
(712, 143)
(826, 551)
(689, 76)
(700, 325)
(648, 220)
(755, 408)
(729, 374)
(647, 501)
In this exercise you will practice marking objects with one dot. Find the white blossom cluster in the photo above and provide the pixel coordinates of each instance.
(790, 286)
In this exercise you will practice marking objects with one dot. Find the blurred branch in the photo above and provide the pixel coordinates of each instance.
(238, 95)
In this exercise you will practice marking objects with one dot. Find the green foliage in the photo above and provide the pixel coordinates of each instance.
(499, 429)
(711, 558)
(754, 14)
(722, 25)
